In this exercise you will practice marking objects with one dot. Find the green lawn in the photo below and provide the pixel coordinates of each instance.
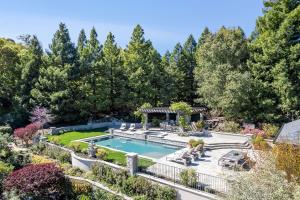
(66, 138)
(113, 156)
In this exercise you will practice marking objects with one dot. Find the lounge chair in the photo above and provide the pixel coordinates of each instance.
(193, 154)
(182, 158)
(132, 127)
(123, 127)
(199, 150)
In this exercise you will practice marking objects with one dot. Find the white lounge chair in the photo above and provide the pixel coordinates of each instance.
(182, 158)
(132, 127)
(123, 127)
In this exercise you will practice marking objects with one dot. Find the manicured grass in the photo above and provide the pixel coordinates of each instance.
(116, 157)
(66, 138)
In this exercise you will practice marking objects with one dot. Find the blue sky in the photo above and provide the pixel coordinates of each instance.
(165, 22)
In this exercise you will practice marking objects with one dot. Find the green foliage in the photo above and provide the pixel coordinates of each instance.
(181, 107)
(5, 169)
(200, 124)
(155, 122)
(76, 146)
(274, 59)
(195, 143)
(270, 129)
(80, 187)
(188, 177)
(139, 114)
(229, 126)
(101, 153)
(259, 143)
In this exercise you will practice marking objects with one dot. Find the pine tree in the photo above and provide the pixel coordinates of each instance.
(275, 57)
(189, 50)
(31, 62)
(57, 87)
(81, 42)
(139, 61)
(205, 34)
(115, 77)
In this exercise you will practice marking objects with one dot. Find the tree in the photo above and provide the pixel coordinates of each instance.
(274, 59)
(114, 76)
(42, 181)
(10, 76)
(176, 74)
(41, 116)
(189, 50)
(223, 82)
(27, 133)
(57, 87)
(92, 85)
(140, 61)
(184, 110)
(31, 62)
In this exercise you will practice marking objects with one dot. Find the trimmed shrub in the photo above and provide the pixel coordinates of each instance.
(75, 146)
(188, 177)
(194, 143)
(81, 187)
(270, 130)
(200, 124)
(36, 159)
(42, 181)
(5, 169)
(165, 193)
(259, 143)
(101, 153)
(58, 154)
(5, 129)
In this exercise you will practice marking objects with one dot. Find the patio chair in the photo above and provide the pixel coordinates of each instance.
(123, 127)
(132, 127)
(193, 154)
(182, 158)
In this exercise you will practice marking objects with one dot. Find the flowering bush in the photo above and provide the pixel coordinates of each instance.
(253, 131)
(36, 159)
(42, 181)
(27, 133)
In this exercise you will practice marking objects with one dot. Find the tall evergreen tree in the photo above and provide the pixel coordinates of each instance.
(205, 34)
(275, 58)
(31, 62)
(115, 77)
(189, 50)
(57, 84)
(139, 61)
(81, 42)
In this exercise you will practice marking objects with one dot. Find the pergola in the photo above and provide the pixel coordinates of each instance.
(168, 111)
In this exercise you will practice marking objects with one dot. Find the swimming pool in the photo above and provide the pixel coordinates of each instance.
(141, 147)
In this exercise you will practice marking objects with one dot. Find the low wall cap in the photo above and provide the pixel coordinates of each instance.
(132, 154)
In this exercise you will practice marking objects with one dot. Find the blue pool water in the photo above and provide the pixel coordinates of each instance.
(141, 147)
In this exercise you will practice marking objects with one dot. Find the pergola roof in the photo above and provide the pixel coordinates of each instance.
(290, 133)
(195, 110)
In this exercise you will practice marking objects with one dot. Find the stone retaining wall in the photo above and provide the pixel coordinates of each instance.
(83, 127)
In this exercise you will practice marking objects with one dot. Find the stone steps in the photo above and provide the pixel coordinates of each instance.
(214, 146)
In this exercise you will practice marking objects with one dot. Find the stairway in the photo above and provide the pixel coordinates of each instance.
(214, 146)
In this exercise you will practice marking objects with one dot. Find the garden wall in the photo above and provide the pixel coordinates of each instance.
(89, 126)
(86, 163)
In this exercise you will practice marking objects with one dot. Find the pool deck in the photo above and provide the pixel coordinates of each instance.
(209, 163)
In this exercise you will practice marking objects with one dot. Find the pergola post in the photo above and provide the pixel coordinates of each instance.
(167, 117)
(145, 125)
(201, 116)
(177, 118)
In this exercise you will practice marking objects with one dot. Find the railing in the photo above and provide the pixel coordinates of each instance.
(193, 179)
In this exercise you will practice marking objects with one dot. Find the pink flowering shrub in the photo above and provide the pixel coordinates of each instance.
(41, 181)
(27, 133)
(253, 131)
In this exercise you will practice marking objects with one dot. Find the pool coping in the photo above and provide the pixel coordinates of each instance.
(86, 140)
